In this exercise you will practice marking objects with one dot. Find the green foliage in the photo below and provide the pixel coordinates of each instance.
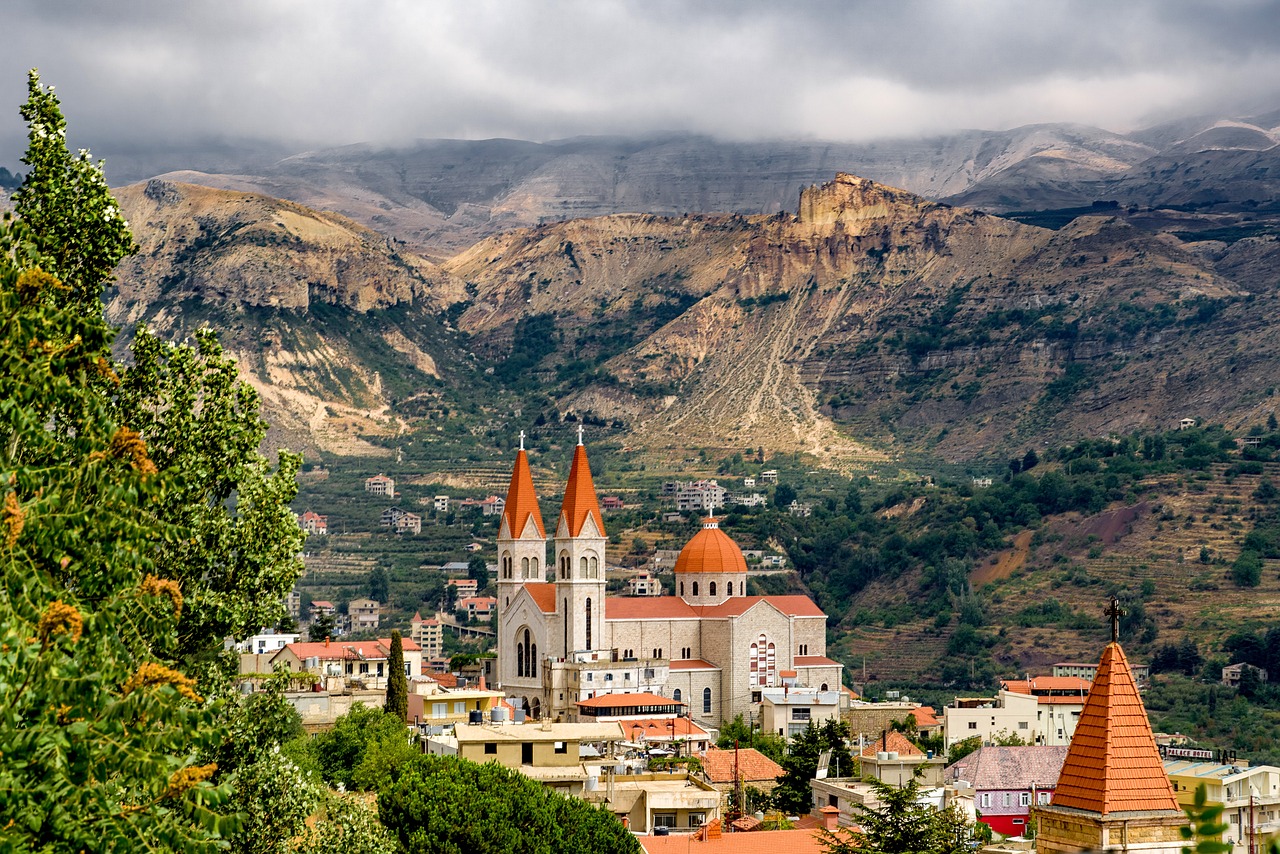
(1246, 571)
(793, 794)
(363, 749)
(101, 733)
(739, 732)
(397, 683)
(448, 805)
(900, 824)
(273, 798)
(963, 748)
(64, 201)
(1206, 828)
(346, 826)
(241, 551)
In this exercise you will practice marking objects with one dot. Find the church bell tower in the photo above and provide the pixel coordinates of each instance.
(579, 561)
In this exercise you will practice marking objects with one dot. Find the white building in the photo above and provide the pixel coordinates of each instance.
(380, 484)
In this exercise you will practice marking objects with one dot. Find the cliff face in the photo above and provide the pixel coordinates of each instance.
(872, 312)
(229, 248)
(330, 321)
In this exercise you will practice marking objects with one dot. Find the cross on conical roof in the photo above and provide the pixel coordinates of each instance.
(580, 502)
(522, 501)
(1113, 764)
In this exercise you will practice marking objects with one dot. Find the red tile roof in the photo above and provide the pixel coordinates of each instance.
(893, 741)
(802, 841)
(580, 496)
(648, 608)
(622, 701)
(754, 766)
(338, 649)
(815, 661)
(544, 595)
(675, 608)
(692, 664)
(1039, 684)
(925, 717)
(522, 501)
(1113, 764)
(662, 728)
(710, 550)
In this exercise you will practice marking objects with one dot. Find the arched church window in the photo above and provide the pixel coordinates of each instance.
(533, 660)
(524, 567)
(695, 588)
(506, 564)
(535, 568)
(519, 659)
(564, 565)
(712, 587)
(588, 622)
(595, 568)
(706, 701)
(582, 568)
(681, 588)
(824, 687)
(675, 695)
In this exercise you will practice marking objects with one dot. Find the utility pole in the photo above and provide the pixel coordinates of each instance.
(740, 807)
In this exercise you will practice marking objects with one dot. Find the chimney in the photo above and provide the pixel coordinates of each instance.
(326, 643)
(481, 685)
(830, 817)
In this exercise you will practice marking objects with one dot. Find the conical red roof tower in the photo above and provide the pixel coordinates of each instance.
(1113, 764)
(522, 501)
(580, 502)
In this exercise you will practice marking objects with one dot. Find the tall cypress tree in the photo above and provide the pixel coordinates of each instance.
(397, 684)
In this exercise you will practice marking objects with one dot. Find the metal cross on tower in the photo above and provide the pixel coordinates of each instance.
(522, 440)
(1115, 612)
(579, 434)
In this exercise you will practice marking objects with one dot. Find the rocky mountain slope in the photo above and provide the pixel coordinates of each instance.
(331, 321)
(872, 312)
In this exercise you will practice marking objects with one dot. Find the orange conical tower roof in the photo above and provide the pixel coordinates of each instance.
(1113, 764)
(522, 501)
(580, 495)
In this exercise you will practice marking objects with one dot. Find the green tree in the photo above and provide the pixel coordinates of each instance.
(783, 495)
(445, 804)
(379, 585)
(346, 826)
(321, 628)
(900, 824)
(478, 571)
(101, 732)
(363, 749)
(800, 765)
(1246, 571)
(397, 684)
(72, 218)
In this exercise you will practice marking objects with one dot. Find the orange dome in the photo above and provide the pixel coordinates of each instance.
(711, 550)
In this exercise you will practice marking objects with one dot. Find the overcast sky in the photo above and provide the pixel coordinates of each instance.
(144, 75)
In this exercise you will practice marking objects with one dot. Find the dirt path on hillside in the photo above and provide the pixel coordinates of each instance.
(1007, 562)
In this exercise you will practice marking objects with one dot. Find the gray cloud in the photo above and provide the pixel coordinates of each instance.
(154, 75)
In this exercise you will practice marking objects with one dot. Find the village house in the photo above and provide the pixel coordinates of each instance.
(1249, 796)
(676, 736)
(894, 760)
(748, 483)
(644, 583)
(402, 521)
(466, 586)
(322, 606)
(380, 484)
(611, 502)
(770, 476)
(867, 720)
(1186, 424)
(492, 506)
(431, 704)
(364, 614)
(640, 705)
(314, 523)
(477, 607)
(678, 802)
(788, 710)
(724, 768)
(746, 499)
(802, 511)
(1046, 714)
(428, 634)
(1060, 699)
(346, 663)
(703, 496)
(440, 504)
(293, 604)
(1007, 782)
(584, 674)
(1232, 672)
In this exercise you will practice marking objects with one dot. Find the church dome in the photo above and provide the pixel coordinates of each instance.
(711, 550)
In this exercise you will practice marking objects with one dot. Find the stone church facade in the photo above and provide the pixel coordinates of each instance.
(711, 646)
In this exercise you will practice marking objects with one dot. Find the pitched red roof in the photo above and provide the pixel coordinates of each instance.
(339, 649)
(1040, 684)
(926, 717)
(622, 701)
(815, 661)
(692, 664)
(544, 595)
(675, 608)
(662, 728)
(754, 766)
(1113, 764)
(892, 741)
(522, 501)
(580, 496)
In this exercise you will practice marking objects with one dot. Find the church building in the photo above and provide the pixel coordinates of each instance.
(710, 648)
